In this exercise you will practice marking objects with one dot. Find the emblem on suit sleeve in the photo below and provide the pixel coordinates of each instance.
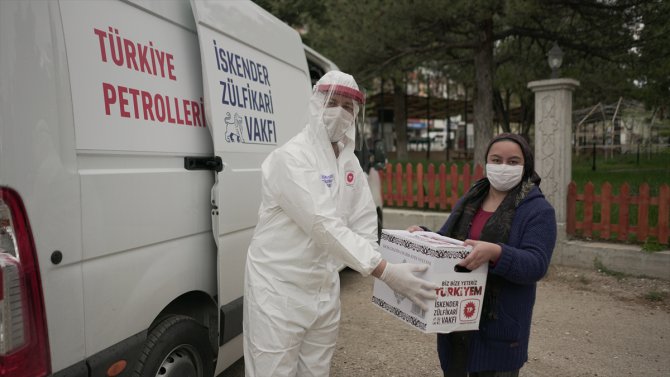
(327, 179)
(349, 177)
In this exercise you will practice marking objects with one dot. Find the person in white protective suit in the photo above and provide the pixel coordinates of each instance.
(316, 214)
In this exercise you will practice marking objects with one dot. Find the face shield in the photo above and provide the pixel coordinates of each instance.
(337, 105)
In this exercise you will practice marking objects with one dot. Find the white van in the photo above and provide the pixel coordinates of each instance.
(131, 138)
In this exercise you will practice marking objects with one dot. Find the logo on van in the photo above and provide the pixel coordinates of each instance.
(234, 128)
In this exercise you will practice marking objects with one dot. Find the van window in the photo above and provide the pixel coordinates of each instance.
(315, 71)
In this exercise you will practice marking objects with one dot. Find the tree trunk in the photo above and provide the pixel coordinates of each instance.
(527, 116)
(483, 105)
(502, 109)
(400, 120)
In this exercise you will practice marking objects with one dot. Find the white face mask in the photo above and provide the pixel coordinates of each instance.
(503, 177)
(337, 121)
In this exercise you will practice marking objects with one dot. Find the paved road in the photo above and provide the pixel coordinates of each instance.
(585, 324)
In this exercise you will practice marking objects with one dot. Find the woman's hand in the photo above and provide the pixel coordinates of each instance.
(414, 228)
(482, 252)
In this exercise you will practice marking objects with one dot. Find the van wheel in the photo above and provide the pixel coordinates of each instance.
(177, 347)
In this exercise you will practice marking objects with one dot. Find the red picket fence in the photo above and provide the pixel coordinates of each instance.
(602, 216)
(411, 187)
(625, 204)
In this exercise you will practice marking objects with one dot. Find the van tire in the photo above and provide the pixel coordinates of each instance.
(178, 346)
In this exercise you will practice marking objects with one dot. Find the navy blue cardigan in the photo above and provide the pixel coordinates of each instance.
(502, 344)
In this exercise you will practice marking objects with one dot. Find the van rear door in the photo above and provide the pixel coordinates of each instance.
(256, 87)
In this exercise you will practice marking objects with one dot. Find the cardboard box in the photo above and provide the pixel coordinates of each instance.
(458, 301)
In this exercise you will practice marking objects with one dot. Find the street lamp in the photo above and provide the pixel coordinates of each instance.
(555, 59)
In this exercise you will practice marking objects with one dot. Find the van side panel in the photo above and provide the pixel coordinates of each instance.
(146, 199)
(136, 84)
(37, 159)
(270, 35)
(138, 111)
(257, 92)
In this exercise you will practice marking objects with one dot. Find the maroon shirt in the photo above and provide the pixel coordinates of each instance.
(481, 217)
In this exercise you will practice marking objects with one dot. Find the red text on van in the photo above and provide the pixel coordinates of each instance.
(135, 55)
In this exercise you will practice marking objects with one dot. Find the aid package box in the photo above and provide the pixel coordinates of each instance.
(459, 298)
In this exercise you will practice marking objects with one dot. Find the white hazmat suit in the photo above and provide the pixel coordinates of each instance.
(317, 213)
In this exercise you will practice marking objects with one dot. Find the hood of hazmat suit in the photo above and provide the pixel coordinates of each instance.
(317, 213)
(335, 107)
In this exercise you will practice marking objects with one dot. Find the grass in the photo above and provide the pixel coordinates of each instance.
(655, 296)
(603, 269)
(653, 169)
(651, 245)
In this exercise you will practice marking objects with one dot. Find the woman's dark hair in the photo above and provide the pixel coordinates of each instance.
(528, 156)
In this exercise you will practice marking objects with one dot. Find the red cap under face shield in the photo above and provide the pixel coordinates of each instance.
(342, 90)
(337, 105)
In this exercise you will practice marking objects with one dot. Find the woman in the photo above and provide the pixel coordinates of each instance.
(510, 226)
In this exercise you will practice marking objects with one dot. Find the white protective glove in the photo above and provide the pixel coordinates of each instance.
(400, 277)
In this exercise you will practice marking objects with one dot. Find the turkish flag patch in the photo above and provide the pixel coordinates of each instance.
(349, 177)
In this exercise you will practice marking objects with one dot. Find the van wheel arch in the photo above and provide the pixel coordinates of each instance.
(200, 307)
(177, 344)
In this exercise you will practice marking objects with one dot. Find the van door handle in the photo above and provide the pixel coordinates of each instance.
(203, 163)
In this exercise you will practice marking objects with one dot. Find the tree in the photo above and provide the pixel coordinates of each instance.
(298, 14)
(379, 38)
(514, 69)
(652, 68)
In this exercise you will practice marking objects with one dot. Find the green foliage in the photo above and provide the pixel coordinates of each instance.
(655, 296)
(653, 64)
(651, 245)
(298, 14)
(605, 47)
(597, 263)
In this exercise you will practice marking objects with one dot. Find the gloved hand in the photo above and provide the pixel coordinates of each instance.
(400, 277)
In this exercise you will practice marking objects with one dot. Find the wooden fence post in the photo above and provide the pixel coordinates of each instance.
(419, 186)
(571, 210)
(454, 186)
(443, 187)
(605, 203)
(431, 186)
(664, 214)
(398, 185)
(467, 178)
(624, 202)
(588, 209)
(409, 185)
(479, 173)
(388, 178)
(643, 213)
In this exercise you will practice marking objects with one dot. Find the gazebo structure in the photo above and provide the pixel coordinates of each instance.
(421, 114)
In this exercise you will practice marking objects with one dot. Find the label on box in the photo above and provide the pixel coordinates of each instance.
(458, 300)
